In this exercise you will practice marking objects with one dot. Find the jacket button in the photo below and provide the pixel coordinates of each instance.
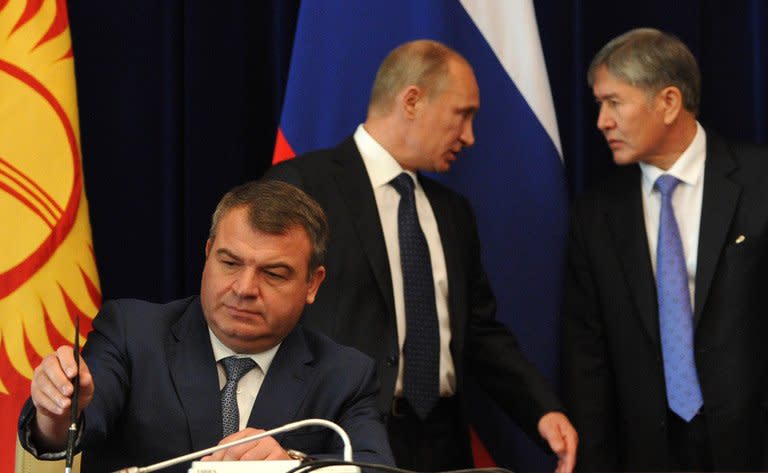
(391, 361)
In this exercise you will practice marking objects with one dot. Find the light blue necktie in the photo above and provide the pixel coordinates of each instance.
(230, 415)
(675, 314)
(421, 349)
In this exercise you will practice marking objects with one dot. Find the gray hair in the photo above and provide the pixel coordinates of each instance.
(651, 60)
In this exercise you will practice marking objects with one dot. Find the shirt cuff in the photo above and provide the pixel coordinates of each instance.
(29, 444)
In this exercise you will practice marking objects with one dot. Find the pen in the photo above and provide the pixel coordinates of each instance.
(72, 432)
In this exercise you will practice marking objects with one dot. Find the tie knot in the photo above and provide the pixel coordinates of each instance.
(403, 184)
(666, 184)
(237, 367)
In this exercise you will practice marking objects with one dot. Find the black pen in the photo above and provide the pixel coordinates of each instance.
(72, 432)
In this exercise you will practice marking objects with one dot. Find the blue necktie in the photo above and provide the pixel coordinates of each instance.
(421, 349)
(675, 314)
(230, 415)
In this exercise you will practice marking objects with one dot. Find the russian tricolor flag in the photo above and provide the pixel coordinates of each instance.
(513, 175)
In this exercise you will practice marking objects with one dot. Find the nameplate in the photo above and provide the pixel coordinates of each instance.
(267, 466)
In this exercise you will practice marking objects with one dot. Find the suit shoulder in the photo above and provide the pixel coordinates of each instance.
(178, 305)
(312, 171)
(750, 154)
(313, 161)
(746, 164)
(136, 310)
(308, 161)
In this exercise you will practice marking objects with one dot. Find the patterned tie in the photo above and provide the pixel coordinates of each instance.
(675, 314)
(236, 369)
(421, 350)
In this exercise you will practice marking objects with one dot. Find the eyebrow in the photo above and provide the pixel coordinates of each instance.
(226, 252)
(611, 95)
(277, 265)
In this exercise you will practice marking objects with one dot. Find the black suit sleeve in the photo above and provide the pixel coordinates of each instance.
(493, 355)
(360, 419)
(587, 372)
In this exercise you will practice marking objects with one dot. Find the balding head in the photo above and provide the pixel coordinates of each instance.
(423, 63)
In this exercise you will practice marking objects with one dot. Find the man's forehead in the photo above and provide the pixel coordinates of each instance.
(607, 86)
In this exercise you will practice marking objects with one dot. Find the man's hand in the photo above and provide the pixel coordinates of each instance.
(557, 430)
(51, 389)
(266, 448)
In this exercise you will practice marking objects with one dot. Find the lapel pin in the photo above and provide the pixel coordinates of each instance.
(740, 239)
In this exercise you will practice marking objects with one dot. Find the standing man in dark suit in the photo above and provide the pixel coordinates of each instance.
(665, 320)
(424, 311)
(160, 381)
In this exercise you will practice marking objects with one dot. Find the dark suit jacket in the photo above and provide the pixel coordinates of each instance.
(355, 305)
(157, 390)
(613, 370)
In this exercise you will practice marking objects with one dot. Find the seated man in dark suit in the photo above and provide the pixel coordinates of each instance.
(155, 379)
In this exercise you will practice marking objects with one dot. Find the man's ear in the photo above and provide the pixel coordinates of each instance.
(409, 100)
(208, 246)
(314, 283)
(672, 102)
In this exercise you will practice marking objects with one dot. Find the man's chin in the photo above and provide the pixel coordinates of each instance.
(623, 159)
(249, 343)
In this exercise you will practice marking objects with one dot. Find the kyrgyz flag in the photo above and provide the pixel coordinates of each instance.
(47, 268)
(513, 174)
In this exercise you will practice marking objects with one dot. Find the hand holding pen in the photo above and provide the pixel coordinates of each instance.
(74, 414)
(52, 390)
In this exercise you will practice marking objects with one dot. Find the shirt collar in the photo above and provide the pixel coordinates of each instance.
(689, 167)
(221, 351)
(380, 164)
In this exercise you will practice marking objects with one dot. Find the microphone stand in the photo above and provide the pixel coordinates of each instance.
(285, 428)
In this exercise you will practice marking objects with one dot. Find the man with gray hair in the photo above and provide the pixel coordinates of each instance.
(664, 358)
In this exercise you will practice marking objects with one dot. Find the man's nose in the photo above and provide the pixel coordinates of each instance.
(468, 135)
(604, 119)
(246, 284)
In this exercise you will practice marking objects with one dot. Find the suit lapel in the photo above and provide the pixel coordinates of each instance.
(284, 387)
(721, 196)
(354, 184)
(627, 223)
(193, 371)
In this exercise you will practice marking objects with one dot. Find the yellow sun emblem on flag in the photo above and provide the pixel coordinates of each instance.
(47, 267)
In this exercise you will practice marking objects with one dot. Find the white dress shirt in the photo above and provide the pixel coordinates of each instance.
(249, 385)
(382, 168)
(686, 202)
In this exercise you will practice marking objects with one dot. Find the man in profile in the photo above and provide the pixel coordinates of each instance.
(664, 350)
(405, 282)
